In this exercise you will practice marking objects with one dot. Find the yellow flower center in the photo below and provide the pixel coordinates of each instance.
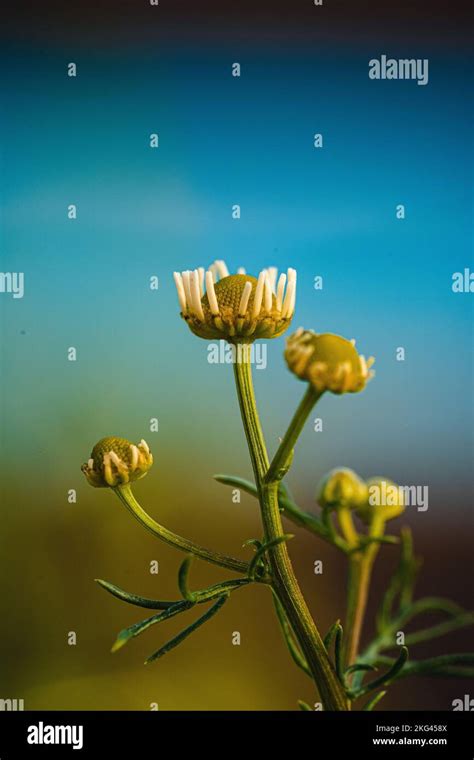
(112, 443)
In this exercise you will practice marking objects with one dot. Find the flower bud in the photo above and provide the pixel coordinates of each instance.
(342, 487)
(115, 461)
(385, 500)
(327, 361)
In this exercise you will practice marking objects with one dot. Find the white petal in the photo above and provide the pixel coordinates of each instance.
(181, 294)
(272, 274)
(90, 464)
(109, 478)
(115, 458)
(244, 300)
(280, 291)
(187, 289)
(267, 293)
(195, 294)
(293, 299)
(135, 457)
(221, 268)
(215, 273)
(241, 270)
(211, 294)
(201, 280)
(257, 302)
(290, 297)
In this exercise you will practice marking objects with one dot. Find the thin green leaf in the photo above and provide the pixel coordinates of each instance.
(458, 618)
(206, 594)
(384, 614)
(174, 642)
(201, 596)
(137, 601)
(253, 542)
(374, 701)
(293, 648)
(359, 666)
(453, 624)
(441, 665)
(338, 652)
(259, 554)
(183, 574)
(330, 635)
(429, 604)
(401, 583)
(134, 630)
(304, 706)
(387, 677)
(236, 482)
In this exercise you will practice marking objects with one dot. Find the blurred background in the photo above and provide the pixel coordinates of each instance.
(141, 213)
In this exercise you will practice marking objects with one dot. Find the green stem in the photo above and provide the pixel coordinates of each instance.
(360, 573)
(250, 419)
(282, 459)
(346, 523)
(127, 498)
(284, 581)
(358, 590)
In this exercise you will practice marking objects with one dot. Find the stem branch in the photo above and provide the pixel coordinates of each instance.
(127, 498)
(282, 459)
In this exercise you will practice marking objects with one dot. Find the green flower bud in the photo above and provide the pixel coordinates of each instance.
(328, 362)
(115, 461)
(342, 487)
(385, 501)
(238, 308)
